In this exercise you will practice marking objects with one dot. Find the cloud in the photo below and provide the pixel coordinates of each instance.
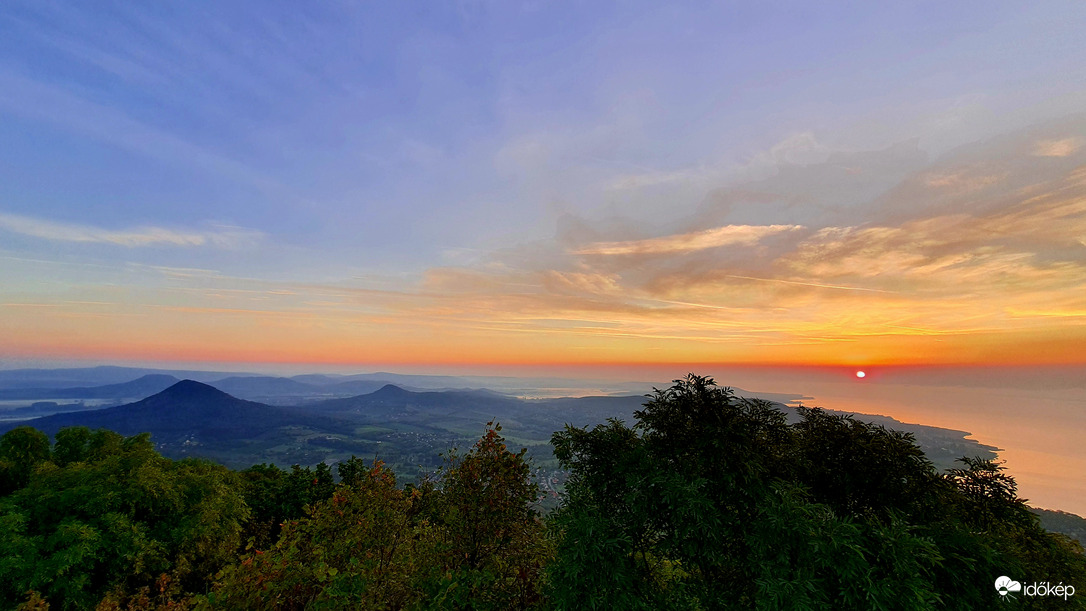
(582, 283)
(797, 149)
(1057, 148)
(141, 236)
(652, 178)
(813, 194)
(943, 257)
(742, 235)
(962, 181)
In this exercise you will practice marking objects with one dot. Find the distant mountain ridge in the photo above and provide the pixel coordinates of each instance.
(143, 386)
(263, 385)
(186, 408)
(96, 376)
(324, 384)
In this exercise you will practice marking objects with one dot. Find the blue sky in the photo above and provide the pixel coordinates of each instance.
(366, 156)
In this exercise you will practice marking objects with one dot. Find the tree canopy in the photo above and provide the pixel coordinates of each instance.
(106, 515)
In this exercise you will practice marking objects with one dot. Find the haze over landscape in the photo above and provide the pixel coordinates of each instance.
(614, 195)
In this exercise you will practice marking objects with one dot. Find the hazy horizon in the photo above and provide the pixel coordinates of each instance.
(1066, 376)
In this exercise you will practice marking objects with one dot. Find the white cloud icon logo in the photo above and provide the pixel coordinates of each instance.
(1005, 584)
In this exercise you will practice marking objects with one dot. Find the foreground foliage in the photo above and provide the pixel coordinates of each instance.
(474, 543)
(709, 501)
(105, 515)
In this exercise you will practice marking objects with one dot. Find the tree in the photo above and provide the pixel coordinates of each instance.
(356, 549)
(275, 496)
(491, 545)
(988, 496)
(862, 469)
(72, 444)
(21, 449)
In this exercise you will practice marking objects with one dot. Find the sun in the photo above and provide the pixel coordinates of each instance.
(860, 374)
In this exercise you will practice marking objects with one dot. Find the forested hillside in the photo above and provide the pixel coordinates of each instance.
(708, 501)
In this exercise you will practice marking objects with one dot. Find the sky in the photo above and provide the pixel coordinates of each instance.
(575, 184)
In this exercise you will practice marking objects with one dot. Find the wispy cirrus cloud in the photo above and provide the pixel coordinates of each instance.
(224, 237)
(728, 235)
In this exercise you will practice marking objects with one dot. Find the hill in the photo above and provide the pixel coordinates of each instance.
(192, 418)
(186, 407)
(1062, 522)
